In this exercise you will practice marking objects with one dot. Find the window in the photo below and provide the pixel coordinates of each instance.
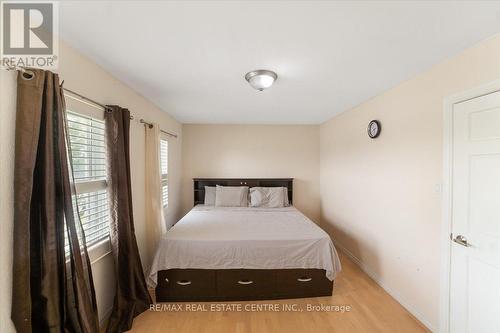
(88, 156)
(164, 171)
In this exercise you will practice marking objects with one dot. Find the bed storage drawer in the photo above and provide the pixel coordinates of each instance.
(240, 284)
(181, 284)
(245, 283)
(303, 282)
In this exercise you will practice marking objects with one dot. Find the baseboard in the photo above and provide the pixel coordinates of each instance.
(389, 290)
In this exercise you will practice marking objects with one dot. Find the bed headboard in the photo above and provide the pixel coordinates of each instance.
(200, 183)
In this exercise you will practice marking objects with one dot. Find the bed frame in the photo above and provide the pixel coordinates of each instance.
(240, 284)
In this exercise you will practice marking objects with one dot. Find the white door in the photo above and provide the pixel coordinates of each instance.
(475, 239)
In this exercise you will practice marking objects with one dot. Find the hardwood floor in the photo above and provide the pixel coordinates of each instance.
(372, 310)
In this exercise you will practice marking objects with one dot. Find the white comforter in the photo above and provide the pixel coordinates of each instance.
(252, 238)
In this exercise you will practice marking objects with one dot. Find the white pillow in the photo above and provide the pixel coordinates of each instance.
(231, 196)
(268, 197)
(286, 202)
(209, 195)
(257, 197)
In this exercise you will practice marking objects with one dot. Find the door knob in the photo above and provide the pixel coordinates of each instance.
(461, 240)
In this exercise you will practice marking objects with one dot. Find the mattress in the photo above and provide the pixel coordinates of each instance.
(245, 238)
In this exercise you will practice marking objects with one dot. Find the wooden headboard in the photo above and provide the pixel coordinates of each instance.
(200, 183)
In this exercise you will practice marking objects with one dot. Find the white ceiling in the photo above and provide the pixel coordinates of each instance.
(190, 58)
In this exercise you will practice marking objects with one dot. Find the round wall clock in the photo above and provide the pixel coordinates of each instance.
(374, 128)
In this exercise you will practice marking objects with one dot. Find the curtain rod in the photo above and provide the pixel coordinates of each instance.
(150, 125)
(89, 100)
(142, 121)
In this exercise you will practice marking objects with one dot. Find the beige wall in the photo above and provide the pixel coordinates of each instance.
(7, 127)
(380, 199)
(82, 75)
(254, 151)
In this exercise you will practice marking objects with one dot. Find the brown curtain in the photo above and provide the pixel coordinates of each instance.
(132, 297)
(51, 292)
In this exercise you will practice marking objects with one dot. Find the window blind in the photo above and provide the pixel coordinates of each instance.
(164, 171)
(88, 156)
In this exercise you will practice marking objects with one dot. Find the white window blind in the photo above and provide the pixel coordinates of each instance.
(88, 155)
(164, 171)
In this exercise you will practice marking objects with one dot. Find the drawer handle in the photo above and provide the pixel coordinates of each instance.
(304, 279)
(183, 282)
(166, 279)
(244, 282)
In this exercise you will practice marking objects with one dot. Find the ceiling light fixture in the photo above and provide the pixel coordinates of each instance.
(261, 79)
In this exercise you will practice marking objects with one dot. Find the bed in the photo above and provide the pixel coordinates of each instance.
(242, 253)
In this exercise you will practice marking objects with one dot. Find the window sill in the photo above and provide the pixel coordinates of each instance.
(99, 250)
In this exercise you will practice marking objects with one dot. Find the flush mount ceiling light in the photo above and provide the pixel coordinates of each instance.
(261, 79)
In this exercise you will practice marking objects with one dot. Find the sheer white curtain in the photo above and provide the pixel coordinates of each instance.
(155, 219)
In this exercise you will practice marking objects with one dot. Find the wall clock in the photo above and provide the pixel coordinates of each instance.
(374, 128)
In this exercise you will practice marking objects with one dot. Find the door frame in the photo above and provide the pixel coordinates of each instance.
(448, 103)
